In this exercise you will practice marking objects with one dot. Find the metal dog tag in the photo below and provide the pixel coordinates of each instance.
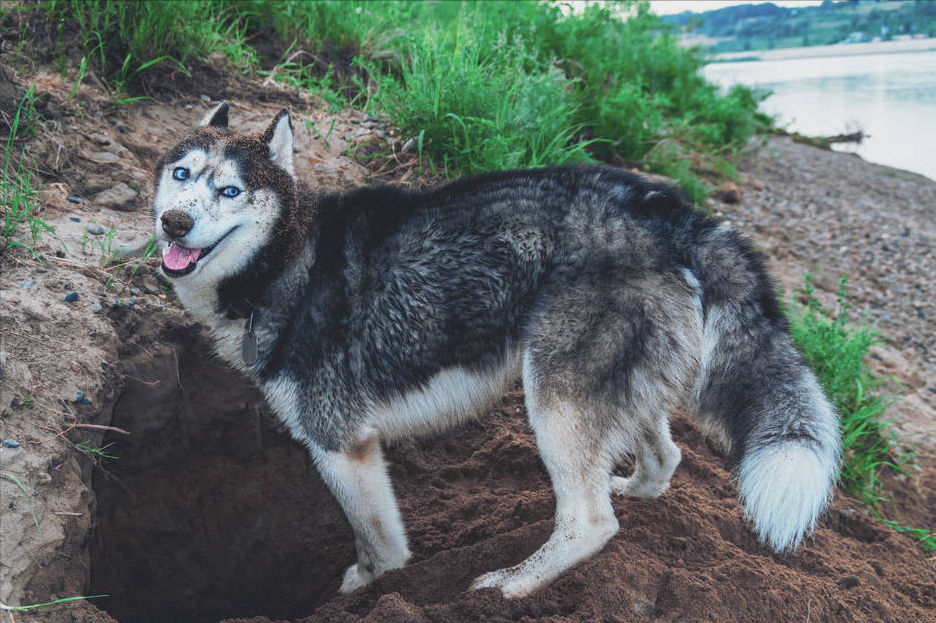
(249, 344)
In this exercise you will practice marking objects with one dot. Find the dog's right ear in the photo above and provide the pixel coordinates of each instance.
(217, 117)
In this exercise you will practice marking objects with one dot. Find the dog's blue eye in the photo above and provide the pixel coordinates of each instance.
(230, 191)
(180, 173)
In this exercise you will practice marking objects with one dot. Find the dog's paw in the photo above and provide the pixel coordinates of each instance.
(354, 578)
(638, 489)
(511, 583)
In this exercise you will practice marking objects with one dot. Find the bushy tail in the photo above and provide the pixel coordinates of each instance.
(758, 392)
(759, 396)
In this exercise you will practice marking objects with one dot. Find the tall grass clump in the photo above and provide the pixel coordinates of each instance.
(837, 350)
(477, 111)
(125, 39)
(500, 84)
(19, 192)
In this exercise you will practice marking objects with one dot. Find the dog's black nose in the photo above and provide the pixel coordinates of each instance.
(177, 223)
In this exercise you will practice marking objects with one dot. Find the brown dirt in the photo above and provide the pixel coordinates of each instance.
(212, 513)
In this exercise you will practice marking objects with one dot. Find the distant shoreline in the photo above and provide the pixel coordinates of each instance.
(841, 49)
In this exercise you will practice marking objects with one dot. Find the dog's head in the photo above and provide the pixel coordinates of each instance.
(223, 200)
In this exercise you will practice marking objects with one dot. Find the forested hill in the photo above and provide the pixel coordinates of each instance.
(768, 26)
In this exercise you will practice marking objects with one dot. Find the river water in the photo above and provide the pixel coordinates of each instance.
(891, 97)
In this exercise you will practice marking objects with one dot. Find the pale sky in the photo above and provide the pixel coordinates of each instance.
(665, 7)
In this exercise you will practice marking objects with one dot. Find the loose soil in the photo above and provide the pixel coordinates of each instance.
(213, 513)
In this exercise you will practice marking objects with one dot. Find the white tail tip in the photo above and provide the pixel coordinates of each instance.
(783, 489)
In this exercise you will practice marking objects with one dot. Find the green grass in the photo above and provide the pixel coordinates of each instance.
(88, 448)
(19, 484)
(124, 40)
(481, 85)
(837, 349)
(7, 608)
(19, 186)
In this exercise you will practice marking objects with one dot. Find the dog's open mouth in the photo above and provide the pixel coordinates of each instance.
(179, 260)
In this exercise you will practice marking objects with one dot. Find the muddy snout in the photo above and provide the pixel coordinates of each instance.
(176, 223)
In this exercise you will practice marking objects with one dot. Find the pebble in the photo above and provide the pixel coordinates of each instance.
(96, 308)
(96, 230)
(74, 198)
(71, 297)
(9, 443)
(116, 303)
(111, 121)
(121, 129)
(136, 290)
(80, 398)
(849, 581)
(27, 284)
(101, 294)
(131, 301)
(76, 219)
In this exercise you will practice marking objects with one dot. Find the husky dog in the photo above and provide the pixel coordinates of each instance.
(382, 313)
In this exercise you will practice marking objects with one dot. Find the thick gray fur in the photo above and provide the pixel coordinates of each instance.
(383, 313)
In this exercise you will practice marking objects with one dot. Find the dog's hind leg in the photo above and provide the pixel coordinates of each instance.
(358, 478)
(656, 460)
(605, 362)
(578, 466)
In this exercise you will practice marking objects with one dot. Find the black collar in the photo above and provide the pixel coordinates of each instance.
(240, 308)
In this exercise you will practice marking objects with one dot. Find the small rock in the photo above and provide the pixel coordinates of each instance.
(27, 284)
(119, 197)
(71, 297)
(408, 145)
(121, 129)
(116, 303)
(111, 121)
(136, 291)
(150, 284)
(921, 314)
(80, 398)
(96, 308)
(9, 443)
(323, 167)
(728, 192)
(103, 157)
(204, 98)
(162, 297)
(101, 294)
(131, 301)
(96, 230)
(849, 581)
(74, 198)
(76, 219)
(59, 253)
(756, 184)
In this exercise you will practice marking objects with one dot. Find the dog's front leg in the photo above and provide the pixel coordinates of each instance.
(358, 478)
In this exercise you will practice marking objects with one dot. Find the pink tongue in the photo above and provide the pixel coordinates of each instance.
(177, 258)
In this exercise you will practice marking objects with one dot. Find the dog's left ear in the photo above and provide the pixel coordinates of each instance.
(217, 117)
(279, 137)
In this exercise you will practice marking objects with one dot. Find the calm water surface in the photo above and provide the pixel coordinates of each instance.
(892, 97)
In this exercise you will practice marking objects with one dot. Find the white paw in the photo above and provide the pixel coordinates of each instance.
(510, 582)
(643, 489)
(355, 578)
